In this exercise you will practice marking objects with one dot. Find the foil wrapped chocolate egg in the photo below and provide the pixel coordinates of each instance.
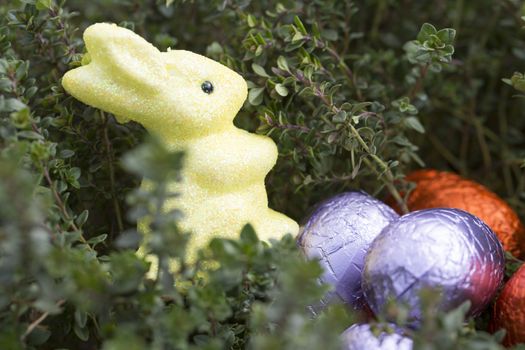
(338, 234)
(445, 249)
(360, 337)
(440, 189)
(509, 309)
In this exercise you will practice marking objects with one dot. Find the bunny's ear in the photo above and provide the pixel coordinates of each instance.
(122, 75)
(125, 56)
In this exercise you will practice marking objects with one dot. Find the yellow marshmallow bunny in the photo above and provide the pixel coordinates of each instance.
(189, 102)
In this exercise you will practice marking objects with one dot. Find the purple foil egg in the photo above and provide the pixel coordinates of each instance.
(339, 233)
(360, 337)
(445, 249)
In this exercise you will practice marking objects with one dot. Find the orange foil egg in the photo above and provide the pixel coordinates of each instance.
(509, 310)
(437, 189)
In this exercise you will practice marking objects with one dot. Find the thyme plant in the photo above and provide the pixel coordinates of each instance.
(355, 94)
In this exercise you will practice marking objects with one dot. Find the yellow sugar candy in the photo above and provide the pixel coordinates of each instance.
(189, 102)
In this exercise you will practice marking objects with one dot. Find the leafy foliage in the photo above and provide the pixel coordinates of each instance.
(354, 93)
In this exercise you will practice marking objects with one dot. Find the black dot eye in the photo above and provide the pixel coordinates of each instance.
(207, 87)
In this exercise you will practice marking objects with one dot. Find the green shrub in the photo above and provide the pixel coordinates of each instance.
(355, 94)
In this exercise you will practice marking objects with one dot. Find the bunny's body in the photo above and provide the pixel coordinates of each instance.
(222, 186)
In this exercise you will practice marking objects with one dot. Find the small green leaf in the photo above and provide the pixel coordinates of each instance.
(81, 318)
(297, 37)
(282, 64)
(38, 336)
(329, 34)
(425, 32)
(43, 4)
(259, 70)
(415, 124)
(97, 239)
(82, 218)
(447, 35)
(255, 96)
(31, 92)
(259, 50)
(66, 153)
(48, 306)
(31, 135)
(21, 119)
(248, 235)
(22, 70)
(358, 107)
(281, 90)
(214, 49)
(252, 22)
(297, 21)
(332, 137)
(75, 172)
(13, 105)
(339, 117)
(81, 332)
(448, 50)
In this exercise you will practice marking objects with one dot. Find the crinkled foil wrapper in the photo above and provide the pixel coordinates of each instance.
(509, 310)
(441, 189)
(360, 337)
(339, 233)
(446, 249)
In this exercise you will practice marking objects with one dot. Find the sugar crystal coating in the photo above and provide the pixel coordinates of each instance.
(222, 186)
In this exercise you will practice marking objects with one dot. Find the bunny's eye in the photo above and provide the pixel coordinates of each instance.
(207, 87)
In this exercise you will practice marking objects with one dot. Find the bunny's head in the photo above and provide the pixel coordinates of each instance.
(174, 94)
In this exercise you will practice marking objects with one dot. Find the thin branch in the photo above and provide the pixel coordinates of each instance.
(346, 70)
(388, 178)
(38, 321)
(278, 125)
(58, 199)
(46, 171)
(110, 159)
(423, 70)
(60, 203)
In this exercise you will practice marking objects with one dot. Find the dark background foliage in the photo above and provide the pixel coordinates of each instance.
(355, 94)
